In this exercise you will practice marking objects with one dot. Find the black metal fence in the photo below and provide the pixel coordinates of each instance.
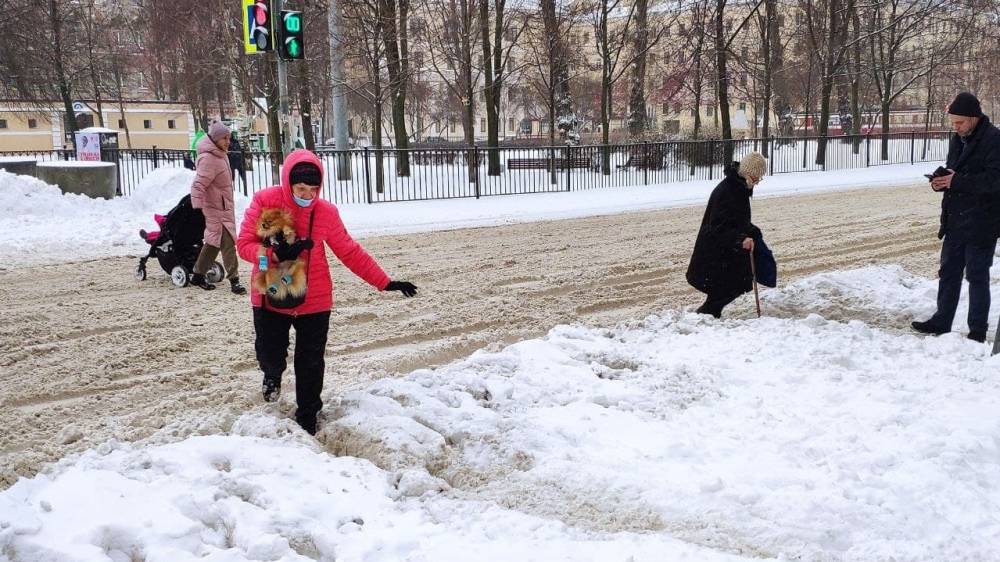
(387, 175)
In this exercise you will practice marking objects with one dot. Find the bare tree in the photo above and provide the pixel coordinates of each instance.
(894, 28)
(394, 15)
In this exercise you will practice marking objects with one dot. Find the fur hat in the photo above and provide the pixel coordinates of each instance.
(307, 173)
(966, 105)
(753, 165)
(217, 130)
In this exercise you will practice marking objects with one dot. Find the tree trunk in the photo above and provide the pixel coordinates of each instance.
(606, 85)
(723, 83)
(769, 35)
(273, 123)
(492, 89)
(637, 98)
(305, 107)
(93, 65)
(394, 16)
(65, 89)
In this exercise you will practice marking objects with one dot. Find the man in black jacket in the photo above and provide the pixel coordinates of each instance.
(970, 218)
(236, 161)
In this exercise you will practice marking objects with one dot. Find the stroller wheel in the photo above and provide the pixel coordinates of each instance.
(215, 273)
(179, 276)
(140, 272)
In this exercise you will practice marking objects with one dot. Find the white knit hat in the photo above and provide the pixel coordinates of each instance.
(753, 165)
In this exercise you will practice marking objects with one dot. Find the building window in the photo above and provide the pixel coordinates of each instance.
(121, 123)
(147, 124)
(171, 124)
(3, 123)
(510, 124)
(743, 107)
(672, 126)
(452, 126)
(710, 111)
(482, 124)
(32, 123)
(666, 108)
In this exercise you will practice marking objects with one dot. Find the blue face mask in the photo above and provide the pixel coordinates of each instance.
(302, 202)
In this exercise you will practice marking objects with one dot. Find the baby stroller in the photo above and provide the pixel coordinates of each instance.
(177, 245)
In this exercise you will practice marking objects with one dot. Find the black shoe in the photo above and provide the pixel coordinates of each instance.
(198, 280)
(928, 327)
(143, 234)
(308, 423)
(978, 336)
(271, 390)
(236, 287)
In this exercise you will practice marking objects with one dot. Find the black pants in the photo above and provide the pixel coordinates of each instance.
(716, 301)
(974, 260)
(271, 344)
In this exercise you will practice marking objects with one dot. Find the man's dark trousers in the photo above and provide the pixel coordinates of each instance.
(974, 259)
(271, 344)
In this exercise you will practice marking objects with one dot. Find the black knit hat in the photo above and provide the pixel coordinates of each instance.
(965, 105)
(307, 173)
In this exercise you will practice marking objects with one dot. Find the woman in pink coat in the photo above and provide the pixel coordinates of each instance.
(316, 222)
(212, 192)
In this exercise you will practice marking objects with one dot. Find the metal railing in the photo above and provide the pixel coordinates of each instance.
(372, 175)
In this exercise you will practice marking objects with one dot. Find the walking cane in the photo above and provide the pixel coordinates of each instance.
(753, 272)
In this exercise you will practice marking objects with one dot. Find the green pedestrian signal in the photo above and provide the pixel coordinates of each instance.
(290, 39)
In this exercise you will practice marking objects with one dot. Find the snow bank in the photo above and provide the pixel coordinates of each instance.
(678, 437)
(42, 225)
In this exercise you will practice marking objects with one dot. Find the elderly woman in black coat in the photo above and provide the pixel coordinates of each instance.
(720, 265)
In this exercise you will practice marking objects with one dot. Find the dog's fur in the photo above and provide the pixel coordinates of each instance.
(281, 279)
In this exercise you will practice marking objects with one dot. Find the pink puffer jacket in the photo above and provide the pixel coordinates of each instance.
(326, 227)
(212, 192)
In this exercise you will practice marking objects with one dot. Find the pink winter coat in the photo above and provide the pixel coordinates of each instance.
(212, 191)
(327, 227)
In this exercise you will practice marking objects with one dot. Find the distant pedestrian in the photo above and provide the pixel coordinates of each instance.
(720, 264)
(236, 161)
(970, 217)
(212, 192)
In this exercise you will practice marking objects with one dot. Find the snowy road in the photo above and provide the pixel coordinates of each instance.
(90, 354)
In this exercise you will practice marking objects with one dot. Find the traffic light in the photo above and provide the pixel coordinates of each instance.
(257, 28)
(291, 45)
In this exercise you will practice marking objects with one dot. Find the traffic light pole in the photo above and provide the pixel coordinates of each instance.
(283, 117)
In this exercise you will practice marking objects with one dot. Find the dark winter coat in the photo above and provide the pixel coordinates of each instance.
(970, 208)
(235, 154)
(720, 265)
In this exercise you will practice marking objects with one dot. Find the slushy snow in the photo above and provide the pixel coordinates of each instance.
(677, 437)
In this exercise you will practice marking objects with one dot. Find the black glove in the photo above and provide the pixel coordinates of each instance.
(405, 287)
(285, 251)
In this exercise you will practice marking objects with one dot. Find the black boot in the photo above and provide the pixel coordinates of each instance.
(271, 389)
(236, 287)
(198, 280)
(928, 327)
(979, 336)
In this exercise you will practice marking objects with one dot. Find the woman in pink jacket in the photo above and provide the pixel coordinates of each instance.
(212, 192)
(316, 220)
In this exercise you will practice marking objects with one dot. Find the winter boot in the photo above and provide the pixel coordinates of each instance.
(271, 389)
(307, 423)
(979, 336)
(928, 327)
(236, 287)
(198, 280)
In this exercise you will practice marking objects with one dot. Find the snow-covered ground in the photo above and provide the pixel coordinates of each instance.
(41, 225)
(677, 437)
